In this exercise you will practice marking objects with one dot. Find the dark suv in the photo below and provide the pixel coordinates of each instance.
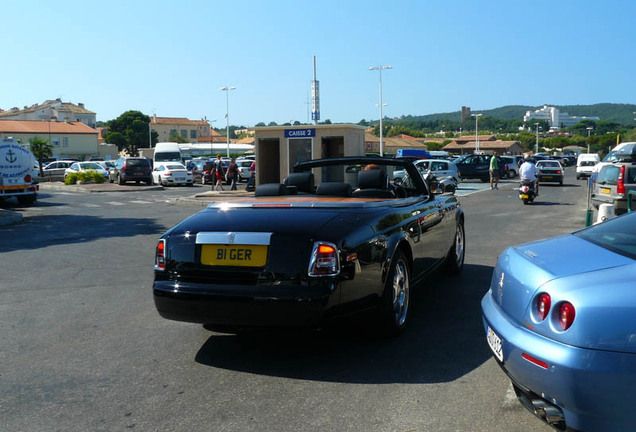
(478, 166)
(127, 169)
(616, 180)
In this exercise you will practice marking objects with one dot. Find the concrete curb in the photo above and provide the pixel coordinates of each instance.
(96, 187)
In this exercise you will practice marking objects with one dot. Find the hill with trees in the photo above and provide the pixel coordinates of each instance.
(610, 112)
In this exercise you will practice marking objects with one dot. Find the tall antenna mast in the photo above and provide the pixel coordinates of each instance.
(315, 97)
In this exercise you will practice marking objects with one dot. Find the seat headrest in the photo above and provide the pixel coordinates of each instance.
(304, 181)
(371, 179)
(270, 189)
(334, 189)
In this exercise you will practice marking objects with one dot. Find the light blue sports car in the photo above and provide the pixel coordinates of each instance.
(560, 318)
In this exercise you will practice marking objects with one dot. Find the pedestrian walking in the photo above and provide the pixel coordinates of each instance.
(232, 173)
(250, 181)
(220, 173)
(494, 171)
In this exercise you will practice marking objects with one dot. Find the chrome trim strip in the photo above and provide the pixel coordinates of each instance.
(399, 202)
(241, 238)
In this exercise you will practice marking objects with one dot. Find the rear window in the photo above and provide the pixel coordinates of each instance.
(138, 162)
(587, 163)
(548, 164)
(608, 175)
(617, 235)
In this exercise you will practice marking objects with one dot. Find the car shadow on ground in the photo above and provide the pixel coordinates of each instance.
(12, 204)
(43, 231)
(538, 202)
(444, 341)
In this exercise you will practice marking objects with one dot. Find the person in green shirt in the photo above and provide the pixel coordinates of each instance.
(494, 171)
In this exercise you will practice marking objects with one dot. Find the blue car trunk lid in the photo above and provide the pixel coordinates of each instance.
(523, 269)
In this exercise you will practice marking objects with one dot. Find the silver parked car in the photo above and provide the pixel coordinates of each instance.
(513, 168)
(615, 181)
(441, 168)
(56, 169)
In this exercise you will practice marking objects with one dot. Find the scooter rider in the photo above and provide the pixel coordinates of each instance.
(528, 172)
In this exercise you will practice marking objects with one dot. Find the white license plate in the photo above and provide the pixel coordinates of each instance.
(494, 342)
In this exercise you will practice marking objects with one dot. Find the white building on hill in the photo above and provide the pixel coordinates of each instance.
(554, 117)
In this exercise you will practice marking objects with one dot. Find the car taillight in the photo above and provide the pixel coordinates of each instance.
(559, 172)
(325, 260)
(620, 183)
(160, 257)
(28, 178)
(123, 169)
(543, 306)
(566, 315)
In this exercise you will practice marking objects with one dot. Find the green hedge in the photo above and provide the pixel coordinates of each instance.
(87, 176)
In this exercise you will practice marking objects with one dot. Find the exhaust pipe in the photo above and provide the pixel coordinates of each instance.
(548, 412)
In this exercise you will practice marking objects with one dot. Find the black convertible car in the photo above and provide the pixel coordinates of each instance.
(337, 236)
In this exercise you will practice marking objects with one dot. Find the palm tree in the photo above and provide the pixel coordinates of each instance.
(41, 149)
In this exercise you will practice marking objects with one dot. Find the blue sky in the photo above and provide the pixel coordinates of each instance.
(171, 57)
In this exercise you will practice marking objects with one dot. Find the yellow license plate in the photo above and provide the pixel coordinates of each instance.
(606, 190)
(524, 196)
(234, 255)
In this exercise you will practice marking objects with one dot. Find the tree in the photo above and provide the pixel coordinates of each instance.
(41, 149)
(132, 127)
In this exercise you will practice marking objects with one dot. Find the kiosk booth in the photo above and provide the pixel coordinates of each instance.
(278, 148)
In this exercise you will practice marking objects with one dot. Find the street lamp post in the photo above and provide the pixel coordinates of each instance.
(227, 114)
(589, 129)
(211, 140)
(379, 68)
(536, 144)
(476, 131)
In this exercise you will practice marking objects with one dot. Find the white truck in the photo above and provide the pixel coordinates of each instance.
(18, 172)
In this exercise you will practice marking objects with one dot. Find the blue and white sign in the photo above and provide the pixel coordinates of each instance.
(300, 133)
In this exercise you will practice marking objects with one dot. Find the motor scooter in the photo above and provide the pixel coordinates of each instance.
(527, 191)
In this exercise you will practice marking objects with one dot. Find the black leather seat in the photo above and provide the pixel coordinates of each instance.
(372, 184)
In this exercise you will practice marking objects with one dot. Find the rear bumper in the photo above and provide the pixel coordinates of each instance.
(547, 178)
(592, 388)
(620, 205)
(242, 306)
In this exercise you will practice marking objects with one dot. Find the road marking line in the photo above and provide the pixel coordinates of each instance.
(115, 203)
(89, 205)
(141, 202)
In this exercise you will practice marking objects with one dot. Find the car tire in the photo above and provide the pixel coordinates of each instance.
(26, 199)
(149, 181)
(110, 180)
(396, 299)
(454, 262)
(120, 180)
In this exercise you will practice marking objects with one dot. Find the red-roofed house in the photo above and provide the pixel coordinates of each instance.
(168, 127)
(70, 139)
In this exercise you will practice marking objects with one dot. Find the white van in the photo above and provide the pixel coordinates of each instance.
(166, 152)
(585, 164)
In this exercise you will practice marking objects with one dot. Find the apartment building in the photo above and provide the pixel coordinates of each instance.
(169, 127)
(49, 110)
